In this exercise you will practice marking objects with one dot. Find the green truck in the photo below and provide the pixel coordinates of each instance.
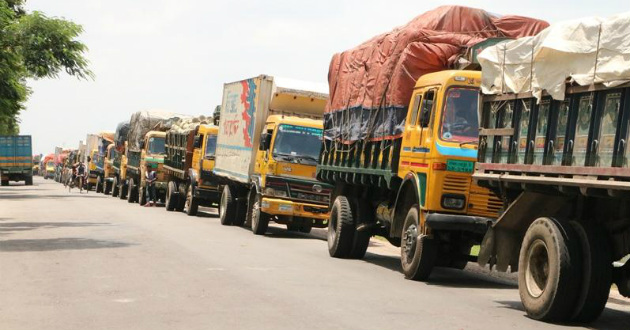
(16, 159)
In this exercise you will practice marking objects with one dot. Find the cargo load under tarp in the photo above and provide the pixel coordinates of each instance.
(371, 84)
(142, 122)
(585, 51)
(122, 131)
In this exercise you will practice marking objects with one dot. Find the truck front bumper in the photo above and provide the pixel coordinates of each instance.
(278, 206)
(457, 222)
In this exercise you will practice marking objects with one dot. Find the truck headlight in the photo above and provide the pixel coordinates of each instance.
(453, 202)
(274, 192)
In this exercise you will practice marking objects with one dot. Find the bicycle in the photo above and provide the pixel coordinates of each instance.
(79, 181)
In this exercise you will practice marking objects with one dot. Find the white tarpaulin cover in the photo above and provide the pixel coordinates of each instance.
(585, 51)
(142, 122)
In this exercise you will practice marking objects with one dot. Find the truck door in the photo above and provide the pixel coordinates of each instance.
(210, 148)
(263, 156)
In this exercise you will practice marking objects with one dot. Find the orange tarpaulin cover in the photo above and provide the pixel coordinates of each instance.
(371, 84)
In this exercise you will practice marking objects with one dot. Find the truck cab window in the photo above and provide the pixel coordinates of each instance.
(297, 144)
(460, 121)
(415, 109)
(211, 146)
(427, 108)
(156, 145)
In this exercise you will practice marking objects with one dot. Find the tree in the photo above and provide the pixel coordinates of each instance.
(33, 45)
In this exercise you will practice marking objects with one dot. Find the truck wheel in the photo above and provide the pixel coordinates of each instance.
(341, 228)
(550, 269)
(99, 184)
(142, 196)
(180, 201)
(28, 181)
(418, 251)
(227, 208)
(192, 203)
(596, 274)
(171, 199)
(361, 239)
(115, 187)
(108, 188)
(124, 188)
(258, 219)
(293, 227)
(131, 191)
(4, 183)
(306, 229)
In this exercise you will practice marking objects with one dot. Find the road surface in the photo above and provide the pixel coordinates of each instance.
(89, 261)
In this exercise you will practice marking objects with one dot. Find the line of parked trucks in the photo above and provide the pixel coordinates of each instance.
(537, 177)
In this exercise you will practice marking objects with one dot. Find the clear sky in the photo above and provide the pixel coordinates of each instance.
(176, 54)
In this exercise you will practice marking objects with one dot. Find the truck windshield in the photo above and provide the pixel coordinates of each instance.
(156, 145)
(211, 146)
(460, 121)
(297, 143)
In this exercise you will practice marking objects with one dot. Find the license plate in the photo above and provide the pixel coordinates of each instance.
(285, 208)
(462, 166)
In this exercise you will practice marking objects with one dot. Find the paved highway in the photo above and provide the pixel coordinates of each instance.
(89, 261)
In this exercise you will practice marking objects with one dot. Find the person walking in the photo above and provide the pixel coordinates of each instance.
(151, 177)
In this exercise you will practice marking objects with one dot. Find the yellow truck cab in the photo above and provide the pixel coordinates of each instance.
(188, 165)
(416, 190)
(108, 169)
(92, 180)
(285, 172)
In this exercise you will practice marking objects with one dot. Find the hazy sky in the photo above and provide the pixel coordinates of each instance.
(176, 54)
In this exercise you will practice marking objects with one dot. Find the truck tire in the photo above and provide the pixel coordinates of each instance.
(28, 181)
(115, 187)
(306, 229)
(341, 228)
(124, 189)
(192, 204)
(4, 183)
(258, 219)
(293, 227)
(142, 196)
(227, 207)
(361, 239)
(596, 274)
(99, 184)
(550, 269)
(180, 201)
(107, 188)
(171, 196)
(131, 191)
(418, 251)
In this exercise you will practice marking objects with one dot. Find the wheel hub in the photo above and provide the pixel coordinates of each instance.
(409, 238)
(537, 270)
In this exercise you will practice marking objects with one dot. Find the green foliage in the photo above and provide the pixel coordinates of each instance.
(33, 46)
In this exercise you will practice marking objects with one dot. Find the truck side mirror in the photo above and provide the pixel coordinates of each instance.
(197, 142)
(265, 141)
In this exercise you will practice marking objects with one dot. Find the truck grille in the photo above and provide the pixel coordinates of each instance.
(483, 202)
(456, 184)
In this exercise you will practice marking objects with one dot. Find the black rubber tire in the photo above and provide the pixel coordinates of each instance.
(258, 219)
(227, 207)
(418, 252)
(115, 187)
(89, 186)
(550, 288)
(131, 191)
(192, 204)
(171, 196)
(124, 190)
(4, 183)
(142, 195)
(596, 274)
(306, 229)
(107, 189)
(181, 197)
(361, 239)
(28, 181)
(99, 184)
(341, 228)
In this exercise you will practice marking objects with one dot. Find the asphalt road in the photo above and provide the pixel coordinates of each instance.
(89, 261)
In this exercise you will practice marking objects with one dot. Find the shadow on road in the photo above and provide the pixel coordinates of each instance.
(57, 244)
(23, 226)
(610, 319)
(16, 196)
(447, 277)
